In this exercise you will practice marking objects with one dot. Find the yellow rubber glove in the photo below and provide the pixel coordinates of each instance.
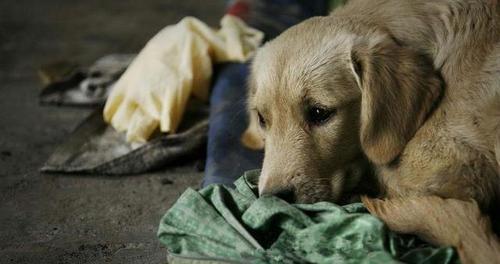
(174, 64)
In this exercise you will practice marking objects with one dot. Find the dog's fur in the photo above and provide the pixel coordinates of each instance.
(440, 221)
(413, 87)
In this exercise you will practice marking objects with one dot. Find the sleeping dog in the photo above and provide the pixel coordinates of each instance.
(409, 89)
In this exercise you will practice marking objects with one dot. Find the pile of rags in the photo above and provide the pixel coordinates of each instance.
(222, 225)
(147, 100)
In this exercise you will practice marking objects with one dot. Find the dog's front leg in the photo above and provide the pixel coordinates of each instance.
(444, 222)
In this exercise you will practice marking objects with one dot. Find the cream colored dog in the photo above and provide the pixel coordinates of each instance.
(412, 86)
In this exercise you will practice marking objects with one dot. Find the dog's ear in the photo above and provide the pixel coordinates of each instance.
(399, 88)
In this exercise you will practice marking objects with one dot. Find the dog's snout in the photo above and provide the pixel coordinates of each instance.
(287, 194)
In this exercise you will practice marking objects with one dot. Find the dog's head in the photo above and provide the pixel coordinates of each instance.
(322, 98)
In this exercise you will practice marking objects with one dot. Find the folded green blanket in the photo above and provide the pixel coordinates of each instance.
(218, 224)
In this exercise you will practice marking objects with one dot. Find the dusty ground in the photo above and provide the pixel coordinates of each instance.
(76, 219)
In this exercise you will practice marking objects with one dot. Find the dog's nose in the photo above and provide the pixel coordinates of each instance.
(286, 194)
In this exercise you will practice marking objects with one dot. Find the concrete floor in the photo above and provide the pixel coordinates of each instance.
(76, 219)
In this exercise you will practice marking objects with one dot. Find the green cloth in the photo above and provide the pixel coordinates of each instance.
(219, 224)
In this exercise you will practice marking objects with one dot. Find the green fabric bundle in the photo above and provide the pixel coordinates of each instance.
(223, 225)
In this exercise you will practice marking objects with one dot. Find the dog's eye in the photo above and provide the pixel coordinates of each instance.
(262, 121)
(318, 115)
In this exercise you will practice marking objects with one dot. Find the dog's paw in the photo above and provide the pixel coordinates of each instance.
(436, 220)
(396, 213)
(252, 140)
